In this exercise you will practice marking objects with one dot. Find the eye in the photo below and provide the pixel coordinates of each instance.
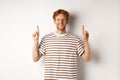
(63, 19)
(58, 19)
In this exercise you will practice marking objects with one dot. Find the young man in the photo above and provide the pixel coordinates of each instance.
(61, 49)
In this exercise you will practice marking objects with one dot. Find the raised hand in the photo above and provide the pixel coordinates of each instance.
(85, 34)
(36, 35)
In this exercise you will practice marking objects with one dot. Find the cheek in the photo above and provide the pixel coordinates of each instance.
(55, 22)
(65, 22)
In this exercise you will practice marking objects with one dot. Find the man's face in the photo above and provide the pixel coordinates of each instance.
(60, 22)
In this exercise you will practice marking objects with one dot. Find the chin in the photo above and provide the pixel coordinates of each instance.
(61, 28)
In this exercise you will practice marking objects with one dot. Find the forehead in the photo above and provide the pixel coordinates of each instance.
(60, 16)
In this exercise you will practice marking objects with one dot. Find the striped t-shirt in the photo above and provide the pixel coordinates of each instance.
(61, 55)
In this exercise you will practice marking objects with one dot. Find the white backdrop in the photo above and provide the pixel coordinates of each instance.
(19, 18)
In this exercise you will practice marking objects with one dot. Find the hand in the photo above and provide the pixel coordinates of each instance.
(85, 34)
(36, 35)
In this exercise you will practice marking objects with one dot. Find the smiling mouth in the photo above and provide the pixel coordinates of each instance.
(61, 24)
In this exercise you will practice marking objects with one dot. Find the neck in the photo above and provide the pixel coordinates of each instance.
(60, 32)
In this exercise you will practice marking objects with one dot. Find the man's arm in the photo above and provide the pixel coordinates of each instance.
(35, 52)
(86, 54)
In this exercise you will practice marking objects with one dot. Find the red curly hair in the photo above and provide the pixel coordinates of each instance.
(61, 11)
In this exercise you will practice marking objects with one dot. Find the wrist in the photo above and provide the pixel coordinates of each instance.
(85, 40)
(36, 42)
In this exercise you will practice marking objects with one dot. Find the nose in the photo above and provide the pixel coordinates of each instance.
(61, 21)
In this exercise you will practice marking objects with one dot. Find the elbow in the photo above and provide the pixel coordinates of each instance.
(87, 59)
(35, 59)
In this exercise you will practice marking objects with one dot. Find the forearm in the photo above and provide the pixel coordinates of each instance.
(87, 51)
(35, 52)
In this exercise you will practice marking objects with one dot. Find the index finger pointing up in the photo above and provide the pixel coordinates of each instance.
(38, 29)
(83, 29)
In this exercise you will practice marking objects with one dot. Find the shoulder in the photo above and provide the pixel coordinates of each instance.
(73, 36)
(49, 35)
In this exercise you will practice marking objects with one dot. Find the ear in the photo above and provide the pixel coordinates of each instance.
(54, 21)
(67, 22)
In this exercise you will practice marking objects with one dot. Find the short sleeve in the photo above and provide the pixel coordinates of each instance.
(42, 46)
(80, 47)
